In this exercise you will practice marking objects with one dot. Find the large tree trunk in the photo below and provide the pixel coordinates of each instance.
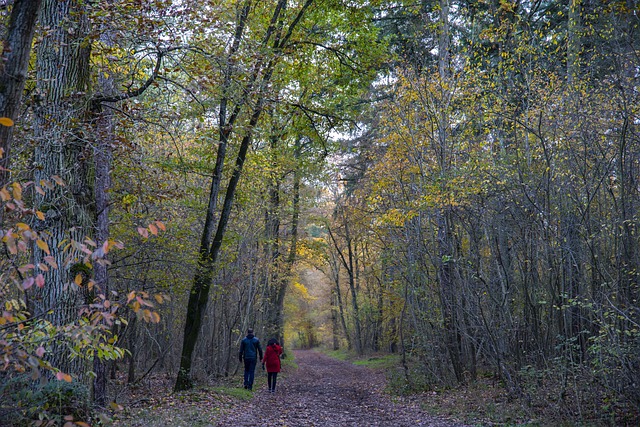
(61, 156)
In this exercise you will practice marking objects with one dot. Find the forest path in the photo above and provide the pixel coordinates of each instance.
(328, 392)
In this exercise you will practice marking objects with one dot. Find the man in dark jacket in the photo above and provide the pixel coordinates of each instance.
(250, 349)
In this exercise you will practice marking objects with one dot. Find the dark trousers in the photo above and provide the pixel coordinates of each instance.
(272, 377)
(249, 372)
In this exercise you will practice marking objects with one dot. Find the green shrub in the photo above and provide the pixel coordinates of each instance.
(23, 400)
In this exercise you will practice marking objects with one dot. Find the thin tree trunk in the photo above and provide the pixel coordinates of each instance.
(293, 249)
(199, 295)
(348, 264)
(338, 294)
(102, 161)
(354, 298)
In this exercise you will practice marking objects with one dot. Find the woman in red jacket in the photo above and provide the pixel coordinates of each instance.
(272, 361)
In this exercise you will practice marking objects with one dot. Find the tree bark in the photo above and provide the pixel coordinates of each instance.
(61, 156)
(348, 264)
(13, 72)
(102, 164)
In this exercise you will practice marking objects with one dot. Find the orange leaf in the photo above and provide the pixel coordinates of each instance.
(61, 376)
(40, 215)
(58, 180)
(78, 279)
(153, 229)
(6, 121)
(46, 184)
(155, 317)
(161, 226)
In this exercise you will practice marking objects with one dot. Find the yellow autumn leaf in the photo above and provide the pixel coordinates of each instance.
(43, 245)
(78, 279)
(17, 191)
(6, 121)
(155, 317)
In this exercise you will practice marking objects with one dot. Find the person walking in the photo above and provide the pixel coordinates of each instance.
(250, 349)
(272, 361)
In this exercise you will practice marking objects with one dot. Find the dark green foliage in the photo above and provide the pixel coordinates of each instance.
(23, 402)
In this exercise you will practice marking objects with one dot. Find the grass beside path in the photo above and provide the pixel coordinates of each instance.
(375, 361)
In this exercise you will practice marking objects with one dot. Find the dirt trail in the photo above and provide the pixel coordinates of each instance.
(328, 392)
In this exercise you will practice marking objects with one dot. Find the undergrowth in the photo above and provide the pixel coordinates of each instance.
(541, 398)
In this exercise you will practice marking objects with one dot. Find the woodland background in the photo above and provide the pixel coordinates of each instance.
(452, 181)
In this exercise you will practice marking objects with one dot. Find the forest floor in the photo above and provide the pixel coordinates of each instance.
(320, 391)
(317, 389)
